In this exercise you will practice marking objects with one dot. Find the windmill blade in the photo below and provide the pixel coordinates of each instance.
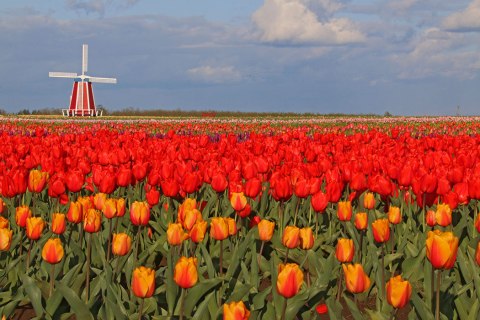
(102, 80)
(62, 75)
(84, 58)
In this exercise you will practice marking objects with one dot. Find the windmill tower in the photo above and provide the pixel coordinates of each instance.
(82, 102)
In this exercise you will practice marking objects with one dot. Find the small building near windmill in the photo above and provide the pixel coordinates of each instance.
(82, 102)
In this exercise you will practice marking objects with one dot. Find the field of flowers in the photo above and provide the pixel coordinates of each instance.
(265, 218)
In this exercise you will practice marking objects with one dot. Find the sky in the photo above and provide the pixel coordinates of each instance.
(405, 57)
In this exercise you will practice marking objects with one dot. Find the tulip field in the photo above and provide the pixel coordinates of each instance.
(251, 218)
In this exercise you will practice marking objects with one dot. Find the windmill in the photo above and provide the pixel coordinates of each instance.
(81, 100)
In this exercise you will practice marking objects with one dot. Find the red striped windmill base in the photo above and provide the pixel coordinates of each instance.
(82, 102)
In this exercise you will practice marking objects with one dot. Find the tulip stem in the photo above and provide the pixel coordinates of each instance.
(140, 311)
(260, 253)
(28, 253)
(361, 247)
(52, 279)
(339, 291)
(89, 252)
(383, 272)
(137, 240)
(182, 302)
(393, 238)
(394, 313)
(296, 212)
(286, 255)
(221, 258)
(109, 249)
(284, 309)
(437, 306)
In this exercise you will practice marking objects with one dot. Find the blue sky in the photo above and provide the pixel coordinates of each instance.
(407, 57)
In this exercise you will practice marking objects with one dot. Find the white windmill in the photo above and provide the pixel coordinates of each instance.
(82, 102)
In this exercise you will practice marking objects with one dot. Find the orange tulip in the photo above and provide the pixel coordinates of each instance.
(345, 250)
(443, 215)
(175, 234)
(21, 215)
(398, 292)
(394, 215)
(188, 205)
(306, 238)
(441, 249)
(34, 227)
(197, 233)
(2, 205)
(344, 211)
(219, 228)
(120, 207)
(121, 244)
(430, 218)
(185, 272)
(139, 213)
(143, 282)
(235, 311)
(265, 230)
(369, 200)
(290, 279)
(232, 226)
(52, 251)
(381, 230)
(92, 221)
(37, 180)
(4, 222)
(355, 278)
(58, 223)
(361, 221)
(5, 239)
(110, 208)
(99, 200)
(291, 237)
(189, 217)
(238, 201)
(75, 212)
(86, 202)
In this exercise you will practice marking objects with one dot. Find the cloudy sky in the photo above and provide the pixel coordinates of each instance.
(407, 57)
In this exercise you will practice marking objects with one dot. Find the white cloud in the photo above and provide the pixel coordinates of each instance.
(466, 20)
(215, 74)
(97, 6)
(291, 21)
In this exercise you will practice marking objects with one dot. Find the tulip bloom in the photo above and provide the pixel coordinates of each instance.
(176, 234)
(441, 249)
(4, 222)
(189, 217)
(121, 244)
(232, 226)
(398, 292)
(345, 250)
(219, 228)
(37, 180)
(381, 230)
(185, 272)
(394, 215)
(290, 279)
(306, 238)
(265, 230)
(22, 213)
(75, 212)
(139, 213)
(5, 239)
(143, 282)
(361, 220)
(197, 233)
(120, 207)
(34, 227)
(110, 208)
(235, 311)
(321, 308)
(319, 202)
(291, 237)
(58, 223)
(92, 221)
(430, 218)
(369, 201)
(443, 215)
(344, 211)
(52, 251)
(99, 200)
(238, 201)
(2, 205)
(355, 278)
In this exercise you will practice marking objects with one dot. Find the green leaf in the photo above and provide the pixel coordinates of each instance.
(78, 306)
(197, 292)
(33, 293)
(420, 307)
(357, 315)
